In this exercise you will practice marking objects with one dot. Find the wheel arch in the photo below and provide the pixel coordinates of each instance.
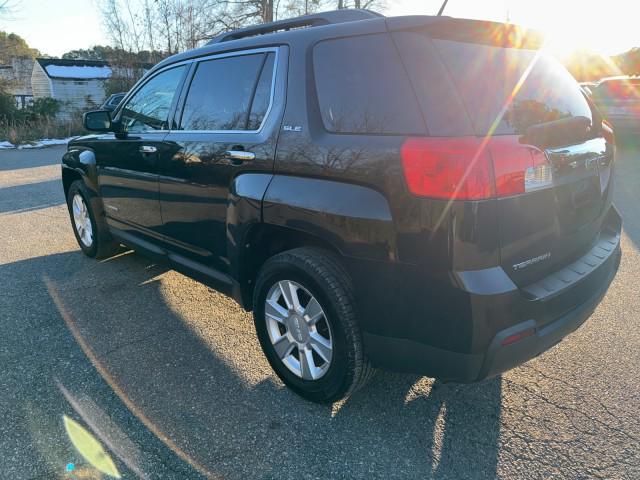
(69, 176)
(349, 220)
(355, 219)
(79, 164)
(262, 242)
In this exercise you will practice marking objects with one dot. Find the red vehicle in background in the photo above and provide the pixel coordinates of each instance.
(618, 98)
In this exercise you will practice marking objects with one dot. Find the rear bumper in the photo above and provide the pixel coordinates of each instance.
(500, 358)
(520, 325)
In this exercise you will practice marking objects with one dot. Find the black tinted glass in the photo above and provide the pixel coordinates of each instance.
(148, 109)
(221, 92)
(533, 87)
(444, 112)
(362, 87)
(262, 97)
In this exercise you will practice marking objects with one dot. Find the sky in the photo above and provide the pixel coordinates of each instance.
(605, 26)
(55, 26)
(608, 27)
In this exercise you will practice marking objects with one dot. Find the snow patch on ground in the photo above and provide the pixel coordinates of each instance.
(45, 142)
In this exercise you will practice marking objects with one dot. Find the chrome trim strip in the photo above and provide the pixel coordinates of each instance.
(133, 173)
(214, 56)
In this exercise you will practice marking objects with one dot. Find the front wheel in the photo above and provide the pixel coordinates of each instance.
(305, 317)
(89, 227)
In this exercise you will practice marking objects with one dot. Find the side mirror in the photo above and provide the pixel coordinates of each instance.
(97, 121)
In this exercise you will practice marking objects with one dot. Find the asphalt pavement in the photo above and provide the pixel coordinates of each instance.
(154, 375)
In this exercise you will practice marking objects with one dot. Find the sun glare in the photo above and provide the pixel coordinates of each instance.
(568, 25)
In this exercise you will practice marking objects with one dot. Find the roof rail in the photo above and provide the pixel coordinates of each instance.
(314, 20)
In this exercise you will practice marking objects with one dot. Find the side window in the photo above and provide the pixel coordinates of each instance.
(148, 109)
(231, 93)
(363, 88)
(262, 97)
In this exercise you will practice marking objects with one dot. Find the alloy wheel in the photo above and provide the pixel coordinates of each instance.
(81, 220)
(299, 330)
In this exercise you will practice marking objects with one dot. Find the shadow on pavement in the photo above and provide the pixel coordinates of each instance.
(40, 157)
(46, 379)
(205, 390)
(30, 197)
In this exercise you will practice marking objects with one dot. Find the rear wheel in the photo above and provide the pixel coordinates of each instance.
(88, 224)
(305, 318)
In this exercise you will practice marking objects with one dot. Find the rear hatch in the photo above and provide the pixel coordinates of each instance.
(551, 157)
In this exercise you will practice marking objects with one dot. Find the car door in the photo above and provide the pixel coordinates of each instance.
(227, 126)
(127, 162)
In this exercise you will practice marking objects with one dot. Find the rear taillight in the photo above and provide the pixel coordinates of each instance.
(471, 168)
(519, 168)
(448, 168)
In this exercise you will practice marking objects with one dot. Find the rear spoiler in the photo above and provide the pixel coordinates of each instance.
(505, 35)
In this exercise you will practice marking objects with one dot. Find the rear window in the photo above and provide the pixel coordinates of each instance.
(363, 88)
(533, 87)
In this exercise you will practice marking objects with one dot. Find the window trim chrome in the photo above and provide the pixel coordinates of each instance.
(195, 60)
(238, 53)
(140, 85)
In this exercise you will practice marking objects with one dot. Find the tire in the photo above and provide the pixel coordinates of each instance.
(91, 231)
(286, 337)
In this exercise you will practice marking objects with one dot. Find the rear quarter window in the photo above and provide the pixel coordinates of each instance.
(363, 88)
(444, 112)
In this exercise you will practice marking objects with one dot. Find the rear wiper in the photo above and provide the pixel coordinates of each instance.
(558, 132)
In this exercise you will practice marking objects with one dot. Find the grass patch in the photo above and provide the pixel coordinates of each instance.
(19, 132)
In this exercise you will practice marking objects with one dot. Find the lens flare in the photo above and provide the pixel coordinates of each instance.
(90, 449)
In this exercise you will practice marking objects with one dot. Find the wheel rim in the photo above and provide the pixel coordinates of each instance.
(299, 330)
(81, 220)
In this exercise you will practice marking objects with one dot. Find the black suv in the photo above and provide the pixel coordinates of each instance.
(421, 194)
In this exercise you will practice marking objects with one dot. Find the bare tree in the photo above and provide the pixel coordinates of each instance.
(7, 7)
(114, 24)
(148, 25)
(177, 25)
(376, 5)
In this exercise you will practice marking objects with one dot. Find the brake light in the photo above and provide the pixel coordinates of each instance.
(519, 168)
(448, 168)
(470, 168)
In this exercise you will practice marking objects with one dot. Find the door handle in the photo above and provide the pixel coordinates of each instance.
(240, 155)
(148, 149)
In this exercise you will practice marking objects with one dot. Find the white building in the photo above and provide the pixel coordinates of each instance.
(77, 84)
(17, 75)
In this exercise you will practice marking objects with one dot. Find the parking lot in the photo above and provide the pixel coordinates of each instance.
(169, 377)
